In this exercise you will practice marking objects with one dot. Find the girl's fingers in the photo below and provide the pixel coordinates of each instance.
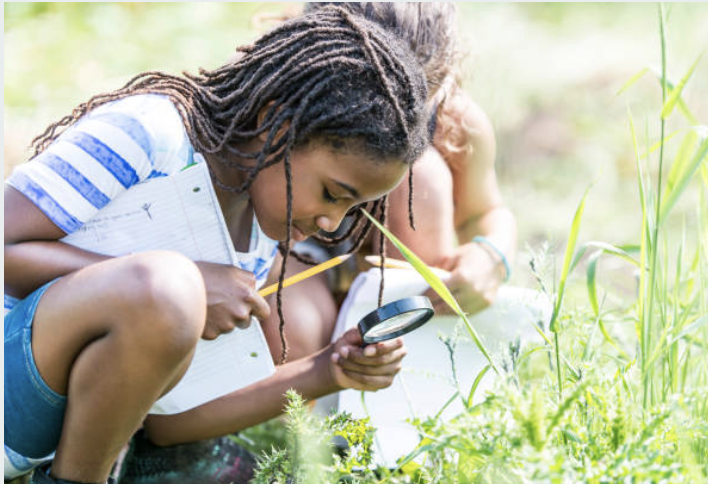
(390, 369)
(375, 354)
(368, 382)
(259, 306)
(353, 337)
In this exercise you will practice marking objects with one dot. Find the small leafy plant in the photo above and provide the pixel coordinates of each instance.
(334, 449)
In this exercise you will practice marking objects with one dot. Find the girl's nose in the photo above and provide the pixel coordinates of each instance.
(326, 223)
(330, 223)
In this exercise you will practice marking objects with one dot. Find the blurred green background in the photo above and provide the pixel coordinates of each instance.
(547, 74)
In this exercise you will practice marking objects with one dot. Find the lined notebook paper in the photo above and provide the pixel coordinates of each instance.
(181, 213)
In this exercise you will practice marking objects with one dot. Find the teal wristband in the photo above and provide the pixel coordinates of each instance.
(483, 240)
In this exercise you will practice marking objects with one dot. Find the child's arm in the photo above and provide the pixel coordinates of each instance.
(343, 364)
(33, 255)
(479, 208)
(477, 268)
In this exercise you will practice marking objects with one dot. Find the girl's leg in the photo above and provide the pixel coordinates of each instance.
(113, 337)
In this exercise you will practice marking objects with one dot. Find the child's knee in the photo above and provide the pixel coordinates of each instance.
(164, 295)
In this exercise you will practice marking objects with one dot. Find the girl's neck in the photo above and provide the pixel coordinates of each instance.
(235, 207)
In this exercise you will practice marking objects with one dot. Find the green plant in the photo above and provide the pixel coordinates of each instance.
(309, 454)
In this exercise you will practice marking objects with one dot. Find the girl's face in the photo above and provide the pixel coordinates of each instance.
(325, 185)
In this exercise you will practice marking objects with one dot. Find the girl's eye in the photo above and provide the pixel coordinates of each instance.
(355, 209)
(328, 197)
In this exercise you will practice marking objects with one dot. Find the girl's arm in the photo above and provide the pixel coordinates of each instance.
(343, 364)
(467, 143)
(33, 254)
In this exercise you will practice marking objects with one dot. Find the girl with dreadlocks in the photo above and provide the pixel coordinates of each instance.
(322, 114)
(461, 223)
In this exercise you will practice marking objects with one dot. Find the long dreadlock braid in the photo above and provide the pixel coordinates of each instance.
(328, 76)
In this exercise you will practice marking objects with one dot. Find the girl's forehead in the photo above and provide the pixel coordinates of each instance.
(356, 174)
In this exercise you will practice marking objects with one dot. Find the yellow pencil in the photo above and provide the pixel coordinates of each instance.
(305, 274)
(375, 261)
(389, 263)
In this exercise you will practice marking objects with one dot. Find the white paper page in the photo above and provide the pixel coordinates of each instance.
(206, 378)
(178, 213)
(181, 213)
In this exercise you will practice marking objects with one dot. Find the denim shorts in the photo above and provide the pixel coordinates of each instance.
(33, 412)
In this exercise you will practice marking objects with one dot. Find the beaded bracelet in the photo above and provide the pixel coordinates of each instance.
(483, 240)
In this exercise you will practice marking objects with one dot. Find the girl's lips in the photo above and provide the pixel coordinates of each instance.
(298, 235)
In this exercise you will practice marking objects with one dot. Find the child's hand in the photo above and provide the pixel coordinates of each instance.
(475, 277)
(231, 299)
(372, 367)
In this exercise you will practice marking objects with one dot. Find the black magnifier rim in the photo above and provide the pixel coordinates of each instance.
(414, 303)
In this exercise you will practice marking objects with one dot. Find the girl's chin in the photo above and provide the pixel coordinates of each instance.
(280, 235)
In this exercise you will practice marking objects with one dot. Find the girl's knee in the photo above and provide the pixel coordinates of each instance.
(165, 298)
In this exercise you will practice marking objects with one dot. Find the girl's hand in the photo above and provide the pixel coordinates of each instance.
(475, 276)
(371, 368)
(231, 299)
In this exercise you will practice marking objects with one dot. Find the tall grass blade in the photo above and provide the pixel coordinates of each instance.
(676, 92)
(647, 377)
(658, 144)
(592, 287)
(691, 328)
(436, 284)
(476, 383)
(683, 180)
(604, 247)
(644, 246)
(682, 157)
(592, 296)
(632, 80)
(567, 259)
(682, 106)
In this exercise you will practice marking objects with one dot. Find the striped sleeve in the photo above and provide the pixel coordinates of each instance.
(87, 166)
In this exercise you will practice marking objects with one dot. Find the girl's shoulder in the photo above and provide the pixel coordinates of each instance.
(462, 128)
(154, 122)
(459, 108)
(108, 151)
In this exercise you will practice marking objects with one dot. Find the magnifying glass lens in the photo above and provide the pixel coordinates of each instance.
(395, 319)
(394, 324)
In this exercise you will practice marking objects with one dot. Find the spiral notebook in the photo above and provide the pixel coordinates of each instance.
(182, 213)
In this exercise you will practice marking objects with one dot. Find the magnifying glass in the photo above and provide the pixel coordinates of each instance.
(395, 319)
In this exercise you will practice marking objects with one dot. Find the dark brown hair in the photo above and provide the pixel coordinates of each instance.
(429, 29)
(327, 75)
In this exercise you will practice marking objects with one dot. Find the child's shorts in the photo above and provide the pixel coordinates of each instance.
(33, 411)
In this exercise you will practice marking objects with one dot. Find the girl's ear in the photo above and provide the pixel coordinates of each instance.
(261, 116)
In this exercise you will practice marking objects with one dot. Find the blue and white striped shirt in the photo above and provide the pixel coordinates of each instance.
(108, 151)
